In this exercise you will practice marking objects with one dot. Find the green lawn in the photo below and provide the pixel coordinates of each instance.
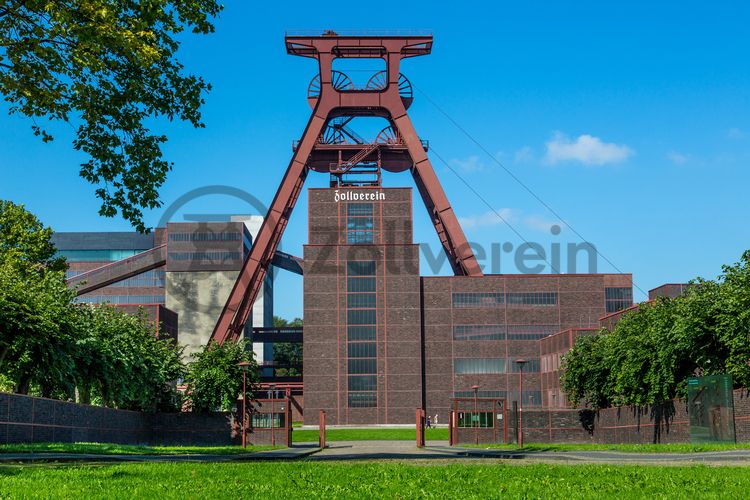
(634, 448)
(374, 434)
(105, 448)
(372, 480)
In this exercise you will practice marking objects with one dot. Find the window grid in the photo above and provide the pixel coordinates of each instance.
(503, 332)
(618, 298)
(360, 223)
(361, 318)
(497, 299)
(483, 366)
(205, 256)
(206, 236)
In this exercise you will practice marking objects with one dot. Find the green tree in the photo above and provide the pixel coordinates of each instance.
(288, 353)
(214, 377)
(37, 331)
(121, 363)
(107, 67)
(651, 352)
(25, 241)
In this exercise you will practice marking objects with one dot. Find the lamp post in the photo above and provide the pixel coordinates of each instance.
(244, 366)
(475, 388)
(520, 363)
(273, 414)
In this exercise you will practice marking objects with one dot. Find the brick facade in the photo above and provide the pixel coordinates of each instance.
(26, 419)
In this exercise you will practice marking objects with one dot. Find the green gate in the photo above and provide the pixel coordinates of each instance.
(711, 409)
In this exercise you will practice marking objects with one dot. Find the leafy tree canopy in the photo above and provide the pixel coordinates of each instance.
(214, 378)
(649, 355)
(25, 241)
(107, 67)
(288, 353)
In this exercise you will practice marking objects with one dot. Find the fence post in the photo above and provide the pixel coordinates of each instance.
(322, 425)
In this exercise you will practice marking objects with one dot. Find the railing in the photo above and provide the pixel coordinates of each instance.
(119, 270)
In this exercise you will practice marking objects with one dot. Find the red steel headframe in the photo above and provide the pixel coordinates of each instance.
(384, 102)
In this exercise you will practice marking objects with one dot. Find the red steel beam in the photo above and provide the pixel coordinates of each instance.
(332, 103)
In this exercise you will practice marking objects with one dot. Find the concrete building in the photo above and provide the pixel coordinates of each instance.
(200, 265)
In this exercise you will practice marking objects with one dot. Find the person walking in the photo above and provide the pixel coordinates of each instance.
(428, 424)
(435, 420)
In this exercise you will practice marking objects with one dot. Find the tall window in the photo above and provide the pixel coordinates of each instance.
(618, 298)
(359, 223)
(361, 316)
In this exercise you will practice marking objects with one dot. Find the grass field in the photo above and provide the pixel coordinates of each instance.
(374, 434)
(632, 448)
(125, 449)
(372, 480)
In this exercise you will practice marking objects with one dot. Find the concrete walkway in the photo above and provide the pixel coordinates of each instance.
(407, 450)
(403, 450)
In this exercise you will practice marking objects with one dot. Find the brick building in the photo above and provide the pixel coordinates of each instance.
(380, 340)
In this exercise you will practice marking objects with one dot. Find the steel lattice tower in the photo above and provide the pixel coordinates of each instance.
(328, 146)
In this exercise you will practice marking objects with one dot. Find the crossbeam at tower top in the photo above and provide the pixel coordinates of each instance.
(357, 44)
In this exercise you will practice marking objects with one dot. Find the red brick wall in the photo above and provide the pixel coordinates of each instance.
(26, 419)
(612, 425)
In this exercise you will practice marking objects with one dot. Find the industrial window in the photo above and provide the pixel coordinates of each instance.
(363, 366)
(359, 223)
(477, 299)
(360, 268)
(479, 332)
(363, 383)
(360, 300)
(362, 399)
(97, 255)
(362, 349)
(206, 236)
(476, 419)
(480, 394)
(360, 284)
(153, 278)
(618, 299)
(531, 298)
(205, 256)
(478, 366)
(361, 316)
(532, 365)
(361, 332)
(531, 332)
(122, 299)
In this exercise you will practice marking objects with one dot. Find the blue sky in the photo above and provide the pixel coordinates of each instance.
(631, 121)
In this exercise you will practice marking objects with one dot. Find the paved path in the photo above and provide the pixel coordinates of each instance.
(404, 450)
(407, 450)
(377, 450)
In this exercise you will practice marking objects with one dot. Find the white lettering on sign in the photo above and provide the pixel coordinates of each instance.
(358, 196)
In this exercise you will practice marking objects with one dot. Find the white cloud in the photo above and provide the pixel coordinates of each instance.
(511, 215)
(487, 219)
(524, 155)
(677, 158)
(469, 164)
(586, 149)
